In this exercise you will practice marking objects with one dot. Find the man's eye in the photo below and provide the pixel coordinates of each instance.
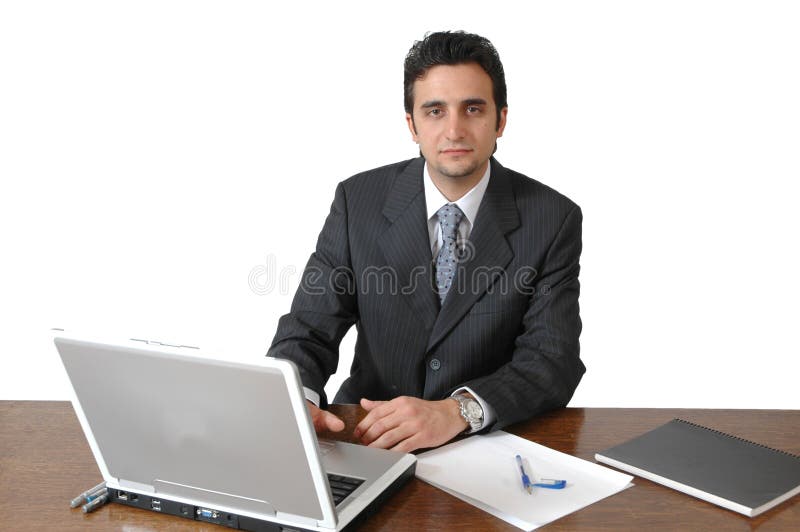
(473, 109)
(435, 112)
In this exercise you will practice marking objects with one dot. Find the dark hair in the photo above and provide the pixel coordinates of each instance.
(454, 48)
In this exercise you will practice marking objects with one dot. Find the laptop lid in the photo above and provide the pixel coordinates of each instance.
(229, 435)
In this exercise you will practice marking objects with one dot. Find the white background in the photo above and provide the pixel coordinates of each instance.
(157, 157)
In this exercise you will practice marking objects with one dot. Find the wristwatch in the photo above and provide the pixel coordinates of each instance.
(470, 410)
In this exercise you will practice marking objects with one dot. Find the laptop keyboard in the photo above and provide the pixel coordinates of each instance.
(341, 486)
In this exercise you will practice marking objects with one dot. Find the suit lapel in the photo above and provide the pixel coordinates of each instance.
(496, 217)
(406, 244)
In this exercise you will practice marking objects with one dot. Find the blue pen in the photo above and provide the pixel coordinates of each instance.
(548, 483)
(551, 483)
(526, 482)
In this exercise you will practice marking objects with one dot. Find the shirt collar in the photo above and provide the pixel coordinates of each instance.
(468, 203)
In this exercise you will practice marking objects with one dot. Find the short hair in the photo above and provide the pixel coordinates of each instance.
(454, 48)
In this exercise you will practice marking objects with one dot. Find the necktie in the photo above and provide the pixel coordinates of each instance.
(449, 218)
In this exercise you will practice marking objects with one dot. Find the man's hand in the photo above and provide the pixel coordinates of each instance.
(324, 420)
(407, 423)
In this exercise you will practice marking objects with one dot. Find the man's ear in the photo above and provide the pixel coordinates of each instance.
(501, 124)
(411, 128)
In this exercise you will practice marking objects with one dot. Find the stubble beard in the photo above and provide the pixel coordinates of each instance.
(458, 171)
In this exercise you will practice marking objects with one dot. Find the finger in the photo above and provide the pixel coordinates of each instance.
(323, 420)
(377, 410)
(411, 443)
(380, 426)
(319, 421)
(393, 437)
(332, 422)
(316, 418)
(368, 404)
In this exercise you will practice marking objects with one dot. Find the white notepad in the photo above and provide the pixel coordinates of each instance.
(482, 471)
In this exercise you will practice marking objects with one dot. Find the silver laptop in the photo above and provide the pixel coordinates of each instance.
(177, 432)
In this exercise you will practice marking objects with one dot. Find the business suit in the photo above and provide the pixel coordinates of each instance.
(508, 332)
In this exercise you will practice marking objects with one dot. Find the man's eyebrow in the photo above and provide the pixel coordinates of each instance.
(474, 101)
(432, 103)
(440, 103)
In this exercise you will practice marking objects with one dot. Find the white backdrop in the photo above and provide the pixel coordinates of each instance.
(154, 156)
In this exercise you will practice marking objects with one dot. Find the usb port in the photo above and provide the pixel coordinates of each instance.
(155, 504)
(122, 495)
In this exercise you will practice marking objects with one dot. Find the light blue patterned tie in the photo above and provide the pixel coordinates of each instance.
(446, 261)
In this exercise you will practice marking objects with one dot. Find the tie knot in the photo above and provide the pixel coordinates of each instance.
(449, 218)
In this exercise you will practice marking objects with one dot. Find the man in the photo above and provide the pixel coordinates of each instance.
(460, 275)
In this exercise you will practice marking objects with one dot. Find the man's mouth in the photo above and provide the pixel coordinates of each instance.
(455, 151)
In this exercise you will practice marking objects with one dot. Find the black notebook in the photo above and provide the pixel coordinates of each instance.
(719, 468)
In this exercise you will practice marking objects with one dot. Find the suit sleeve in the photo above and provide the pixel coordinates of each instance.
(545, 366)
(324, 306)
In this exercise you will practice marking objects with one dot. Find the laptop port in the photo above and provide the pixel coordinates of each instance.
(155, 504)
(122, 495)
(206, 513)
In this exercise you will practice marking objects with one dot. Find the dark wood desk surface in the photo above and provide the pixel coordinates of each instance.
(45, 461)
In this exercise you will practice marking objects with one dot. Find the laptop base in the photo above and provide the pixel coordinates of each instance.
(241, 522)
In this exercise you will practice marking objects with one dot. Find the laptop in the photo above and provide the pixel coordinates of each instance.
(178, 432)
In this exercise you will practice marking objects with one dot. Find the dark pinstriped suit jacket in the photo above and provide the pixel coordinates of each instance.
(508, 328)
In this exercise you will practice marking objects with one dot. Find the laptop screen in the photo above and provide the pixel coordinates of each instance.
(221, 433)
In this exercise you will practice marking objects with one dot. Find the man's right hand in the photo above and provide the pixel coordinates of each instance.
(324, 420)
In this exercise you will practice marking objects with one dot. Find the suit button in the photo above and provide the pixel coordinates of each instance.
(435, 364)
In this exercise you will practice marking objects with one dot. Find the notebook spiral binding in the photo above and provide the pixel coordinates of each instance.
(797, 457)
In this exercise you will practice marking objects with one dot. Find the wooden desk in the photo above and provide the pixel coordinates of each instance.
(45, 461)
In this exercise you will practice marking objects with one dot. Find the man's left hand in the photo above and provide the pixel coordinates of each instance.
(406, 423)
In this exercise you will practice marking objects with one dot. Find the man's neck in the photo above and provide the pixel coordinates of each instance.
(454, 188)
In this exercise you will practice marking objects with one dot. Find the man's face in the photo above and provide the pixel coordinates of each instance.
(455, 120)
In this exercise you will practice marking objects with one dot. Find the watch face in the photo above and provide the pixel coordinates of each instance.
(474, 410)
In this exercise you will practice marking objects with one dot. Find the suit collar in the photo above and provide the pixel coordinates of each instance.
(499, 200)
(405, 189)
(405, 244)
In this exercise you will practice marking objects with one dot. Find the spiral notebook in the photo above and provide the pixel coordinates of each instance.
(737, 474)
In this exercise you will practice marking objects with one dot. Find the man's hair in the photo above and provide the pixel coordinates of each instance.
(454, 48)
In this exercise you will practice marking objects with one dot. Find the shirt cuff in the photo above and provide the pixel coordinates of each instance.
(488, 411)
(313, 396)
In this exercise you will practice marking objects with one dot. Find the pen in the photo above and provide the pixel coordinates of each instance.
(551, 483)
(84, 497)
(95, 503)
(97, 494)
(526, 482)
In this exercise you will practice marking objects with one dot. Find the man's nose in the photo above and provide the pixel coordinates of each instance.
(455, 126)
